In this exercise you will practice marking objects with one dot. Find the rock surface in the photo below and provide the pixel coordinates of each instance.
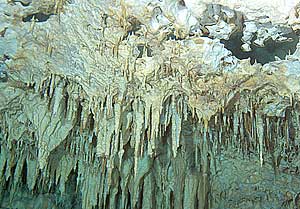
(143, 104)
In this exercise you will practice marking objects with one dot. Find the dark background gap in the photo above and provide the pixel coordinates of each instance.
(264, 54)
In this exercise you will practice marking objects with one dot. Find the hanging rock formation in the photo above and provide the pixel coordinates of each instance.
(126, 104)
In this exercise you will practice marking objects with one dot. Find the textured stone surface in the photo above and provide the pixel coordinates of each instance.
(138, 104)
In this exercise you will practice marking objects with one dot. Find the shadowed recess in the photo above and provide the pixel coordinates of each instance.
(39, 17)
(264, 54)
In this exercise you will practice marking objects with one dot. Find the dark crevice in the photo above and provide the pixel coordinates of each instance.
(13, 169)
(107, 201)
(141, 193)
(94, 140)
(71, 187)
(4, 168)
(39, 17)
(172, 36)
(182, 3)
(135, 25)
(264, 54)
(142, 49)
(128, 200)
(172, 199)
(78, 114)
(66, 103)
(24, 3)
(36, 187)
(3, 76)
(24, 173)
(91, 122)
(2, 33)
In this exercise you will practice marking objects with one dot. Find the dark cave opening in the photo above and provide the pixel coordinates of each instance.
(39, 17)
(24, 3)
(264, 54)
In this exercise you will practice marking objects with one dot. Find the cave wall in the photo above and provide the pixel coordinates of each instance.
(125, 104)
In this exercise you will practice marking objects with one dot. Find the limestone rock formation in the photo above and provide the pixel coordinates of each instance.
(126, 104)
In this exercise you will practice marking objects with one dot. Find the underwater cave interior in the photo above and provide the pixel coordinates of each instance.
(95, 112)
(264, 54)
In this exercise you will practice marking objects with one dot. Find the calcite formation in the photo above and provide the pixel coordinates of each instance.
(140, 104)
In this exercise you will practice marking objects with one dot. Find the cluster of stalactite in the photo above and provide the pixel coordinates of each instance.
(128, 106)
(127, 154)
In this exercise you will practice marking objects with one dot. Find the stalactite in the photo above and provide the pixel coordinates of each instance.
(196, 132)
(57, 98)
(148, 192)
(176, 127)
(190, 191)
(84, 116)
(134, 119)
(17, 176)
(242, 147)
(236, 127)
(32, 173)
(260, 134)
(101, 146)
(205, 167)
(138, 129)
(117, 116)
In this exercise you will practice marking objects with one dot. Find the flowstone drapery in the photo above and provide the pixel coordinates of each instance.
(138, 104)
